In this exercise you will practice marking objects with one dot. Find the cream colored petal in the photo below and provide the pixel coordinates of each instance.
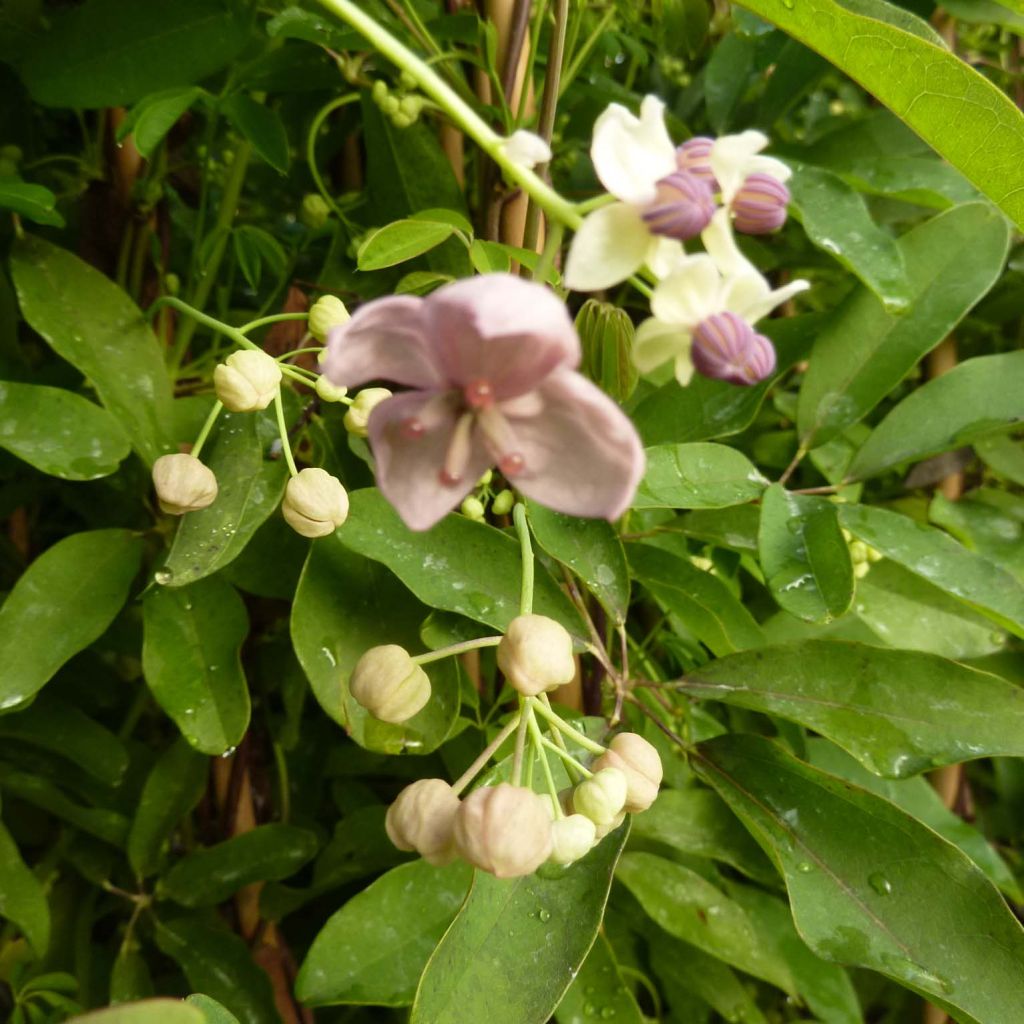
(664, 255)
(611, 244)
(684, 367)
(526, 149)
(769, 165)
(630, 153)
(772, 299)
(730, 158)
(689, 293)
(745, 294)
(721, 245)
(656, 343)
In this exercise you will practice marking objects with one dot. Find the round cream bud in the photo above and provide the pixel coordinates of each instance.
(314, 212)
(536, 655)
(422, 818)
(473, 508)
(247, 381)
(503, 503)
(328, 392)
(571, 838)
(183, 484)
(389, 684)
(328, 311)
(315, 503)
(640, 763)
(603, 830)
(504, 829)
(602, 797)
(363, 404)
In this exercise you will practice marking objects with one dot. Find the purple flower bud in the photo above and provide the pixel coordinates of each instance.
(683, 207)
(759, 208)
(694, 156)
(726, 347)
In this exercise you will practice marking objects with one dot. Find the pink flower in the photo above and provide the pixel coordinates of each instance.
(490, 362)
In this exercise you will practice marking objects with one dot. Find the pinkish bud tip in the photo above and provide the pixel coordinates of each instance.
(694, 156)
(726, 347)
(683, 207)
(759, 207)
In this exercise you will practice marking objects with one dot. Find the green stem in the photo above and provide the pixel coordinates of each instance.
(275, 319)
(207, 427)
(573, 766)
(526, 592)
(314, 130)
(283, 430)
(486, 754)
(545, 765)
(584, 51)
(464, 116)
(517, 756)
(460, 648)
(552, 244)
(574, 734)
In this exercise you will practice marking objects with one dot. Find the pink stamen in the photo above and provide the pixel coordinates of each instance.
(479, 394)
(512, 464)
(412, 429)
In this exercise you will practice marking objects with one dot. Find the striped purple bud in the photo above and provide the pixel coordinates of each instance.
(682, 208)
(694, 156)
(726, 347)
(759, 208)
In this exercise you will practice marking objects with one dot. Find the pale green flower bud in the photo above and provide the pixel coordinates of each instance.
(611, 826)
(473, 508)
(859, 551)
(315, 503)
(504, 829)
(389, 684)
(358, 414)
(400, 120)
(606, 337)
(314, 212)
(328, 311)
(183, 484)
(379, 92)
(328, 392)
(861, 569)
(536, 655)
(503, 503)
(874, 555)
(486, 478)
(571, 838)
(411, 106)
(422, 818)
(247, 381)
(641, 765)
(390, 105)
(601, 798)
(172, 284)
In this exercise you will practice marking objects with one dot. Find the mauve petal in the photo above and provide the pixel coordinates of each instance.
(502, 329)
(387, 339)
(409, 469)
(582, 453)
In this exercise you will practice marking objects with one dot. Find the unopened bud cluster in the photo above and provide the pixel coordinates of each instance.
(861, 555)
(402, 109)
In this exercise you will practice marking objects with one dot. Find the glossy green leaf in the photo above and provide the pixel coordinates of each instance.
(1003, 455)
(804, 556)
(219, 963)
(697, 476)
(517, 943)
(249, 490)
(33, 202)
(837, 220)
(987, 521)
(130, 977)
(175, 784)
(213, 1012)
(986, 12)
(107, 53)
(109, 826)
(687, 906)
(149, 121)
(192, 639)
(975, 398)
(863, 351)
(897, 712)
(256, 248)
(598, 991)
(149, 1011)
(112, 346)
(956, 110)
(871, 887)
(60, 432)
(374, 949)
(400, 241)
(63, 602)
(263, 854)
(591, 549)
(734, 527)
(261, 126)
(940, 560)
(705, 604)
(22, 896)
(344, 605)
(457, 566)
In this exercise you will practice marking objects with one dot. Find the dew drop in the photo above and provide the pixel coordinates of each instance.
(803, 867)
(880, 883)
(608, 1012)
(544, 915)
(163, 576)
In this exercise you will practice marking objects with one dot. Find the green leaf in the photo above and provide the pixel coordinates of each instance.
(213, 1012)
(598, 991)
(697, 476)
(1004, 456)
(249, 489)
(149, 1011)
(940, 560)
(344, 605)
(60, 432)
(400, 241)
(111, 344)
(726, 77)
(130, 978)
(191, 658)
(255, 247)
(975, 398)
(987, 12)
(705, 604)
(989, 522)
(457, 566)
(262, 127)
(108, 53)
(36, 203)
(110, 826)
(373, 950)
(22, 896)
(155, 115)
(591, 549)
(219, 963)
(63, 602)
(956, 110)
(263, 854)
(516, 944)
(897, 712)
(863, 352)
(686, 905)
(804, 556)
(175, 784)
(837, 220)
(489, 257)
(870, 886)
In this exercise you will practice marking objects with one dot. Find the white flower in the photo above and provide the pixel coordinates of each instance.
(721, 280)
(526, 149)
(735, 157)
(635, 160)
